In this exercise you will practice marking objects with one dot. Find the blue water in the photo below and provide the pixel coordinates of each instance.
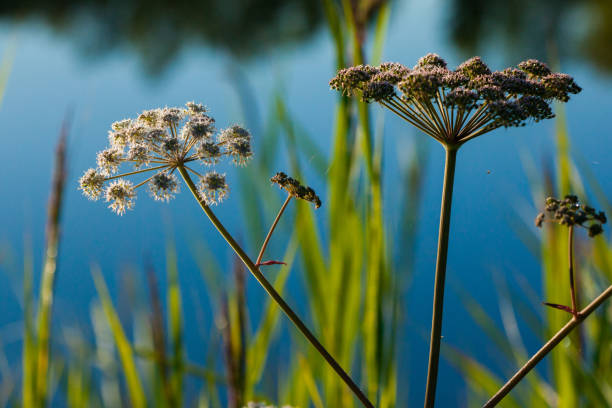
(49, 79)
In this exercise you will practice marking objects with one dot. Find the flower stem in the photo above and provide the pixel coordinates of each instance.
(273, 293)
(136, 172)
(265, 243)
(438, 301)
(571, 270)
(556, 339)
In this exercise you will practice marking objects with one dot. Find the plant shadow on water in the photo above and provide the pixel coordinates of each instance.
(346, 268)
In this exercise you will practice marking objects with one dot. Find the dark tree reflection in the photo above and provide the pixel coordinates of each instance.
(158, 30)
(538, 28)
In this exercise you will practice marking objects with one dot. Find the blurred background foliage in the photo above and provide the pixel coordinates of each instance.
(578, 29)
(159, 31)
(355, 268)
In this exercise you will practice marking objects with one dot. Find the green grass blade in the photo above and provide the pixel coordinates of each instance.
(124, 348)
(175, 324)
(310, 383)
(380, 32)
(47, 286)
(479, 378)
(555, 262)
(29, 337)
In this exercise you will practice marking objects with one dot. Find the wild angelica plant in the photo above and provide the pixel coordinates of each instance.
(166, 140)
(453, 107)
(571, 213)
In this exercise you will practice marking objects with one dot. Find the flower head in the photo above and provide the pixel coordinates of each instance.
(462, 98)
(199, 127)
(195, 108)
(213, 187)
(118, 138)
(91, 183)
(171, 145)
(170, 116)
(121, 195)
(139, 154)
(570, 212)
(150, 117)
(559, 87)
(473, 68)
(240, 150)
(233, 133)
(209, 153)
(161, 141)
(163, 186)
(431, 60)
(109, 160)
(350, 80)
(237, 141)
(295, 189)
(456, 106)
(535, 68)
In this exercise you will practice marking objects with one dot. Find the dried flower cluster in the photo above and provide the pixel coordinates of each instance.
(160, 140)
(295, 189)
(570, 212)
(455, 106)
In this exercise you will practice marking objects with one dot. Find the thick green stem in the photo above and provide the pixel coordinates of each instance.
(556, 339)
(273, 293)
(438, 301)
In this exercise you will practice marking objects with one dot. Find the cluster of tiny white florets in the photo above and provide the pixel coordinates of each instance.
(213, 187)
(120, 193)
(160, 141)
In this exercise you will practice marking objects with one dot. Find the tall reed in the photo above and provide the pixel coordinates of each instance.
(37, 340)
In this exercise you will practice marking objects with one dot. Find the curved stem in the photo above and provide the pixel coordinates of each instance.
(273, 293)
(278, 216)
(438, 301)
(556, 339)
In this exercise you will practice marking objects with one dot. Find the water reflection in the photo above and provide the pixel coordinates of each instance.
(567, 28)
(159, 30)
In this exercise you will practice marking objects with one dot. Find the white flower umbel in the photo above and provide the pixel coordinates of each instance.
(161, 141)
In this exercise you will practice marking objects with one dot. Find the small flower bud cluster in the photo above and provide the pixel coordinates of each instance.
(160, 141)
(295, 189)
(439, 100)
(570, 212)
